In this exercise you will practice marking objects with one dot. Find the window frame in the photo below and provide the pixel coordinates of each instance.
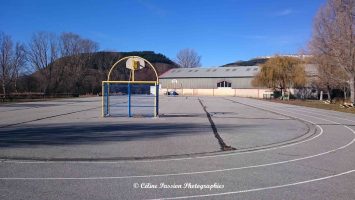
(224, 84)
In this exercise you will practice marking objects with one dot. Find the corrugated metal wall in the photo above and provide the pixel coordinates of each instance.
(206, 83)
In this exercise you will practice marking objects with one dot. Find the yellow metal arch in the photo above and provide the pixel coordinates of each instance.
(125, 58)
(156, 83)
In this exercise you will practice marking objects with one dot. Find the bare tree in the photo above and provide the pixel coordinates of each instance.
(188, 58)
(329, 76)
(11, 61)
(43, 50)
(78, 52)
(19, 62)
(334, 37)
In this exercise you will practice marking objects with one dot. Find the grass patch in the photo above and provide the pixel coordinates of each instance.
(315, 104)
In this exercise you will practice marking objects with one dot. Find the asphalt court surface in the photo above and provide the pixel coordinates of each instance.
(63, 149)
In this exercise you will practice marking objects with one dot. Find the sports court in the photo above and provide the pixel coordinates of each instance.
(65, 149)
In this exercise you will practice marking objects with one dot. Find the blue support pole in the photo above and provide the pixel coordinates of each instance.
(106, 93)
(157, 100)
(129, 100)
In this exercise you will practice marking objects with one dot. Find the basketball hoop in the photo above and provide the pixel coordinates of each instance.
(135, 63)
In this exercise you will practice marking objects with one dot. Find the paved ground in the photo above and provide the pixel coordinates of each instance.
(64, 150)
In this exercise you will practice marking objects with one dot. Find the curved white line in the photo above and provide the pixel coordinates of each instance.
(190, 173)
(164, 160)
(316, 113)
(260, 189)
(337, 123)
(174, 159)
(319, 112)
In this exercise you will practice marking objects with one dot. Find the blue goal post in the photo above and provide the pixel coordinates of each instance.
(130, 98)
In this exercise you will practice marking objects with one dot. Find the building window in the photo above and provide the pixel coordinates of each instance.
(224, 84)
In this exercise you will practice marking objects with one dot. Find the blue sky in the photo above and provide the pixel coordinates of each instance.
(220, 31)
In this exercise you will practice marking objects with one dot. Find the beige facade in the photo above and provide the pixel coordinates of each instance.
(221, 81)
(253, 93)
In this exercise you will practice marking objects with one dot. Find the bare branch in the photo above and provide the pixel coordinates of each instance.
(188, 58)
(333, 41)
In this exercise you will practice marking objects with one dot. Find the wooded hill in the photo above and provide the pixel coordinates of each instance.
(252, 62)
(83, 74)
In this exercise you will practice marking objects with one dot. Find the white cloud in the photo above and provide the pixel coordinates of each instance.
(152, 7)
(285, 12)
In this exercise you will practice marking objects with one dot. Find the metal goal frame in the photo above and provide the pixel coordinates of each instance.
(133, 63)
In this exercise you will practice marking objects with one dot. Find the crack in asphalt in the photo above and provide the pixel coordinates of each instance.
(223, 145)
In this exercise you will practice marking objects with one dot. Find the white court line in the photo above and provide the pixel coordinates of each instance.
(261, 189)
(295, 113)
(188, 173)
(304, 108)
(175, 159)
(271, 187)
(165, 160)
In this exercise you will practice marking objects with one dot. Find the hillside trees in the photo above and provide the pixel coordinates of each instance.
(12, 60)
(64, 64)
(43, 49)
(281, 73)
(78, 52)
(67, 73)
(188, 58)
(333, 41)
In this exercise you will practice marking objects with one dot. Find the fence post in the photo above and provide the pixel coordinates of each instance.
(129, 100)
(157, 100)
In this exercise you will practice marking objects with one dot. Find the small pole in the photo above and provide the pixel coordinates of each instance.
(133, 75)
(157, 100)
(129, 100)
(107, 98)
(102, 99)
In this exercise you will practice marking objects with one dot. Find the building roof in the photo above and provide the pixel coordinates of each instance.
(224, 72)
(218, 72)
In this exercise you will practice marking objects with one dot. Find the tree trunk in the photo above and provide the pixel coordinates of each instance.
(15, 84)
(4, 89)
(282, 94)
(329, 92)
(352, 90)
(345, 95)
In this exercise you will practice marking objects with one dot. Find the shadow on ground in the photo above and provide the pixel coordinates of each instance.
(89, 134)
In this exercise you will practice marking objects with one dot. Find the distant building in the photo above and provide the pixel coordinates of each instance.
(300, 56)
(220, 81)
(224, 81)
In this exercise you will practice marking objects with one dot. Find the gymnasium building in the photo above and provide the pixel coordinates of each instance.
(224, 81)
(219, 81)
